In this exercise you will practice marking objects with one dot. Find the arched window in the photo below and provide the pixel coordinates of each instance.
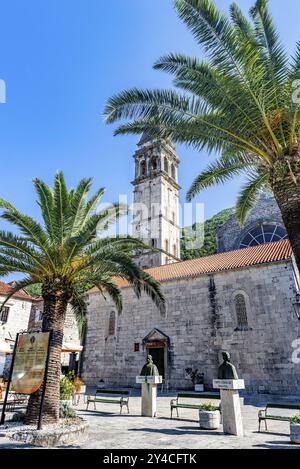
(153, 242)
(154, 164)
(166, 165)
(263, 233)
(241, 311)
(173, 172)
(166, 245)
(143, 168)
(112, 323)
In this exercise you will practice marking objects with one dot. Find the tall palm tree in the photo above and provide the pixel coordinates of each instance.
(66, 256)
(241, 103)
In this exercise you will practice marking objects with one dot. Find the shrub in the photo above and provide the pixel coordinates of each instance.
(66, 388)
(208, 407)
(66, 412)
(295, 419)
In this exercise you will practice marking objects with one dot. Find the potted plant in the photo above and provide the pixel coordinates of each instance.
(209, 417)
(78, 385)
(196, 378)
(66, 391)
(295, 429)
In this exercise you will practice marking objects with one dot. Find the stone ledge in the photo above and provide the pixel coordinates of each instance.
(51, 436)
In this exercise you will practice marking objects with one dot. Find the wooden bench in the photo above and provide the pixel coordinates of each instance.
(110, 396)
(192, 400)
(270, 414)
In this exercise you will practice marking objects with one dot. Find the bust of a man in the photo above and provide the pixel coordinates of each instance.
(149, 369)
(227, 370)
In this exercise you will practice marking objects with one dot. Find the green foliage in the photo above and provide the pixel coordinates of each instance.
(67, 253)
(210, 230)
(295, 419)
(66, 411)
(237, 103)
(34, 290)
(65, 388)
(208, 407)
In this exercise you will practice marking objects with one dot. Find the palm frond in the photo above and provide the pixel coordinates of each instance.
(216, 173)
(249, 195)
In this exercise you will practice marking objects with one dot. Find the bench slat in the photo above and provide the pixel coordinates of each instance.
(187, 406)
(283, 406)
(112, 391)
(109, 401)
(182, 395)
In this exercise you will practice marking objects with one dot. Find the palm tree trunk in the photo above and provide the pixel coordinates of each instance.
(286, 188)
(55, 308)
(83, 342)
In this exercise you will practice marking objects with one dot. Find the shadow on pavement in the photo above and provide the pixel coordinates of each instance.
(177, 431)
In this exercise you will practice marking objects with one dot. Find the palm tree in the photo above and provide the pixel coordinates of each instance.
(241, 103)
(65, 255)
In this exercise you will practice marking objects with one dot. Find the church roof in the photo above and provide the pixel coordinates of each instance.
(231, 260)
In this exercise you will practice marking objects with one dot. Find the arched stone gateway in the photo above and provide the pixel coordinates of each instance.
(156, 343)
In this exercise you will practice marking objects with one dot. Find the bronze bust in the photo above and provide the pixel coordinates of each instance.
(227, 370)
(149, 369)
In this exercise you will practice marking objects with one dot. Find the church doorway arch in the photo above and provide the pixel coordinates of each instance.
(156, 343)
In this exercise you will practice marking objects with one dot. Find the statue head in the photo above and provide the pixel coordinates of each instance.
(149, 359)
(226, 356)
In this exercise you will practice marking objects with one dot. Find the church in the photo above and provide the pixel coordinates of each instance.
(240, 300)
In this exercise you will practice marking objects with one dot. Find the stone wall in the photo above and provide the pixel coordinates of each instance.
(201, 322)
(230, 233)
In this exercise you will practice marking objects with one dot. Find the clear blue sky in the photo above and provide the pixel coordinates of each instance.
(62, 59)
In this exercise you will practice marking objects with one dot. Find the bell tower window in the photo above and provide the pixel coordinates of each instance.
(166, 166)
(143, 168)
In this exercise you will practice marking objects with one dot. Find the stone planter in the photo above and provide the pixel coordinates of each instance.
(209, 419)
(51, 436)
(295, 433)
(199, 387)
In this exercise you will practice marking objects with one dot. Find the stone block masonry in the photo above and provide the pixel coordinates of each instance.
(201, 321)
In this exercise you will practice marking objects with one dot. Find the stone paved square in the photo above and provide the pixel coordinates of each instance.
(109, 430)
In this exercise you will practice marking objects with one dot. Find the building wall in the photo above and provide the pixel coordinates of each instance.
(18, 317)
(230, 233)
(200, 323)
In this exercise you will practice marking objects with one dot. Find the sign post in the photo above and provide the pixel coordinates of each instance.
(8, 383)
(29, 366)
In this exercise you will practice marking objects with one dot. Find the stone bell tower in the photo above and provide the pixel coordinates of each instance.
(156, 201)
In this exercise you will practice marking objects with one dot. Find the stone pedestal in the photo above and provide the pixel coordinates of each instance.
(231, 406)
(149, 394)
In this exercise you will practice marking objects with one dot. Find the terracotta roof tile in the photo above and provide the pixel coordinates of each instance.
(262, 254)
(5, 289)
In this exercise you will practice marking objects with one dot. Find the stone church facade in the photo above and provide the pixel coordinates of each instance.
(240, 300)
